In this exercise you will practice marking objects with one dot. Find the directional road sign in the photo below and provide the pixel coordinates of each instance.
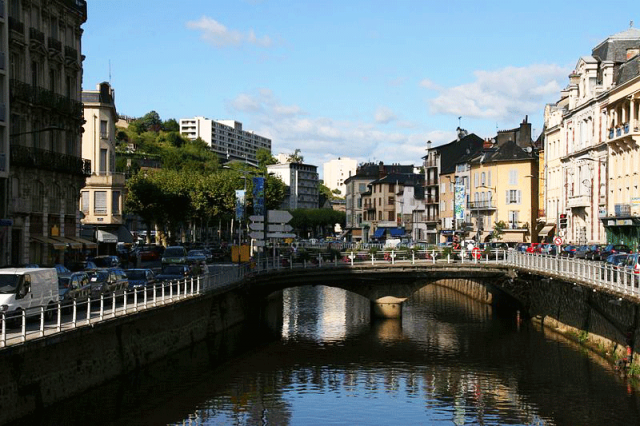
(256, 235)
(280, 235)
(279, 216)
(273, 227)
(256, 218)
(257, 226)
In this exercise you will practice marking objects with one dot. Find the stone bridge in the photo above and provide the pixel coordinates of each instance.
(387, 286)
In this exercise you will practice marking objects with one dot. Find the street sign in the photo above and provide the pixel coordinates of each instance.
(256, 226)
(256, 218)
(257, 235)
(557, 241)
(476, 253)
(258, 243)
(280, 235)
(279, 216)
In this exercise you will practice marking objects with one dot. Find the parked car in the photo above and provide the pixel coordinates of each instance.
(522, 247)
(594, 251)
(568, 250)
(73, 286)
(174, 254)
(106, 261)
(613, 249)
(61, 269)
(150, 253)
(196, 256)
(107, 281)
(173, 272)
(581, 251)
(82, 265)
(632, 264)
(612, 266)
(217, 253)
(208, 254)
(24, 288)
(533, 248)
(549, 248)
(140, 278)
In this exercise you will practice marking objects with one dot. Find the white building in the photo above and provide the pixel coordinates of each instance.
(335, 172)
(226, 138)
(302, 184)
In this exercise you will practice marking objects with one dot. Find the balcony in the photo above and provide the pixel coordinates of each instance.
(38, 96)
(70, 54)
(79, 6)
(579, 201)
(432, 200)
(36, 37)
(106, 179)
(54, 45)
(482, 205)
(624, 136)
(47, 160)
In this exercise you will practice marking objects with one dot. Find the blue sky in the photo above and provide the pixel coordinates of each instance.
(370, 80)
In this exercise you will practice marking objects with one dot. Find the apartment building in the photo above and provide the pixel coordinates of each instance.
(336, 171)
(302, 184)
(226, 138)
(356, 187)
(46, 169)
(102, 198)
(589, 145)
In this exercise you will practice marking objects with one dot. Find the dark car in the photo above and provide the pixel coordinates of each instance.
(107, 281)
(173, 272)
(174, 254)
(106, 261)
(82, 265)
(522, 247)
(73, 286)
(594, 251)
(196, 256)
(613, 264)
(140, 278)
(568, 250)
(150, 253)
(217, 253)
(613, 249)
(581, 251)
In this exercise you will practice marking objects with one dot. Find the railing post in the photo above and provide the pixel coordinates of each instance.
(413, 257)
(135, 300)
(88, 311)
(42, 308)
(3, 336)
(113, 305)
(24, 325)
(372, 258)
(101, 307)
(59, 320)
(74, 316)
(124, 301)
(198, 285)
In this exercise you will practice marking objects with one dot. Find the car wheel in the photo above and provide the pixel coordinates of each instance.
(48, 313)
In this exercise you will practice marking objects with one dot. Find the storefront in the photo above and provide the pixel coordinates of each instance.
(623, 230)
(546, 233)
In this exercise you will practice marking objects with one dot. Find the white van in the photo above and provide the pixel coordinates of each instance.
(24, 289)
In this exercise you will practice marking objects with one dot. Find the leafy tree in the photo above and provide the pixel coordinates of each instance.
(296, 157)
(265, 158)
(171, 125)
(498, 230)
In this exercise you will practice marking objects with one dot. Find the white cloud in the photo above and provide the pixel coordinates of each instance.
(321, 138)
(505, 95)
(384, 115)
(218, 35)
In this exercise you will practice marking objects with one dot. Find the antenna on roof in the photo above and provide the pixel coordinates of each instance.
(631, 24)
(459, 118)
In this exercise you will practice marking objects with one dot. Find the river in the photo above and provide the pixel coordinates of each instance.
(449, 361)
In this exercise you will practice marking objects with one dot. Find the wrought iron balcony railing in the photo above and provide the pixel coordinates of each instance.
(39, 96)
(48, 160)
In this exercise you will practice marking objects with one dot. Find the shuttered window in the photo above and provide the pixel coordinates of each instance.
(100, 202)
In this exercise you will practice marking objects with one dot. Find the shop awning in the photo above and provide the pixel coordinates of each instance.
(57, 245)
(71, 243)
(86, 243)
(106, 237)
(546, 230)
(512, 237)
(378, 233)
(396, 232)
(124, 236)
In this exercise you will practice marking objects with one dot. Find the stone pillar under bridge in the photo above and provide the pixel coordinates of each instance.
(387, 307)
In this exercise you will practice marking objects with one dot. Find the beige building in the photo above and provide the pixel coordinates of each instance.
(46, 170)
(337, 171)
(102, 198)
(504, 188)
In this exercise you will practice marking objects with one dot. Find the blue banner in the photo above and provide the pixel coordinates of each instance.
(239, 205)
(258, 196)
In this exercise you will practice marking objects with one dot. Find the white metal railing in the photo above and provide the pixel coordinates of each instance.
(64, 316)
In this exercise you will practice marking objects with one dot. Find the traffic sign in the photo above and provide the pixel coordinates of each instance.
(476, 253)
(258, 243)
(256, 226)
(557, 241)
(257, 235)
(280, 235)
(256, 218)
(279, 216)
(273, 227)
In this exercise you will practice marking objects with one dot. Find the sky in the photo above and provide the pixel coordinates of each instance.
(369, 80)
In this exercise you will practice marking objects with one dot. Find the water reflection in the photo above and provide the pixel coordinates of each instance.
(448, 360)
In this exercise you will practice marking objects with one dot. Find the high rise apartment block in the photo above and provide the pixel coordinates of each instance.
(336, 171)
(226, 138)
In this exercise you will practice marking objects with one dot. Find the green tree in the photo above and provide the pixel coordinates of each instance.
(171, 125)
(498, 230)
(264, 157)
(296, 157)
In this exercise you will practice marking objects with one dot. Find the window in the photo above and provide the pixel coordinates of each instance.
(443, 206)
(85, 202)
(513, 177)
(115, 202)
(359, 203)
(104, 133)
(513, 196)
(37, 197)
(391, 201)
(489, 178)
(390, 216)
(513, 219)
(100, 202)
(443, 188)
(103, 160)
(391, 187)
(483, 180)
(362, 188)
(475, 179)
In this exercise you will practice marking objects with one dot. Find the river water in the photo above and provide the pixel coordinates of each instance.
(449, 361)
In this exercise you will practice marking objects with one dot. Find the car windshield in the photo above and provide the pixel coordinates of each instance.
(136, 275)
(99, 276)
(102, 261)
(174, 252)
(8, 283)
(196, 253)
(63, 282)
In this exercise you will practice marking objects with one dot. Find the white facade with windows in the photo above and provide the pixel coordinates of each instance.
(226, 138)
(336, 171)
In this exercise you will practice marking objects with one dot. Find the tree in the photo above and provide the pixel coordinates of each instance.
(296, 157)
(264, 157)
(171, 125)
(498, 230)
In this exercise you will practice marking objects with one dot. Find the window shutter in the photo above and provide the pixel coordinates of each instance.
(489, 178)
(100, 202)
(507, 195)
(519, 195)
